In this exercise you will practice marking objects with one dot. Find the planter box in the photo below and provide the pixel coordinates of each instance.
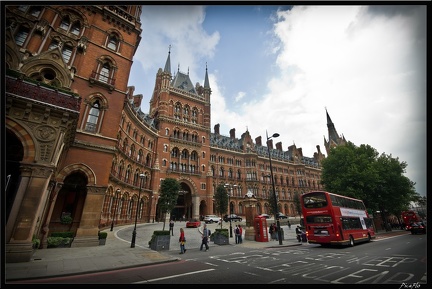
(220, 239)
(102, 241)
(160, 243)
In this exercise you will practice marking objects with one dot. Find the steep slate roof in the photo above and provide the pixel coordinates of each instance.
(183, 81)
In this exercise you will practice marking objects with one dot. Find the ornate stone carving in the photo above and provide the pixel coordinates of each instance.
(45, 133)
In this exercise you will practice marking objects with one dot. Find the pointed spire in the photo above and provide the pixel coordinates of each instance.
(168, 62)
(206, 80)
(333, 135)
(329, 121)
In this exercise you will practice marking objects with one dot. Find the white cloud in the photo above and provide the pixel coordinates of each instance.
(366, 65)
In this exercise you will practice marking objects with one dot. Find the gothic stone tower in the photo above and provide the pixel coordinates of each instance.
(182, 115)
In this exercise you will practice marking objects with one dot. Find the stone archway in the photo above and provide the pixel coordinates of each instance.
(70, 201)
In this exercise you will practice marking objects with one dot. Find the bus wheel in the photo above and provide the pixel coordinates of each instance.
(351, 241)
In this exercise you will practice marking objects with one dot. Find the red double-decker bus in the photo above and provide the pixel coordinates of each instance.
(332, 219)
(409, 217)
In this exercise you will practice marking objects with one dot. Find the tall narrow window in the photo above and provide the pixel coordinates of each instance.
(104, 73)
(21, 36)
(66, 52)
(112, 43)
(76, 27)
(93, 117)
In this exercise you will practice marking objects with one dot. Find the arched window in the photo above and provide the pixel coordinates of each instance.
(76, 28)
(65, 23)
(67, 53)
(93, 117)
(112, 42)
(104, 73)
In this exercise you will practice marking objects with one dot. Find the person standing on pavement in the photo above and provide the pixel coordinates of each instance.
(275, 232)
(289, 225)
(182, 241)
(271, 230)
(236, 234)
(240, 237)
(204, 240)
(171, 226)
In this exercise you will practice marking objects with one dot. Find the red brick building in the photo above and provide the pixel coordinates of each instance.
(78, 144)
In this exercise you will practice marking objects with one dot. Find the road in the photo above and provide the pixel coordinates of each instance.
(399, 260)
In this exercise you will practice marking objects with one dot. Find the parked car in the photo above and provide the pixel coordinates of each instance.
(232, 217)
(193, 223)
(281, 216)
(212, 219)
(265, 216)
(418, 228)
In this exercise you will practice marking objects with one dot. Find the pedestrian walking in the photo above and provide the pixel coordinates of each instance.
(205, 236)
(182, 241)
(240, 238)
(289, 225)
(298, 233)
(171, 226)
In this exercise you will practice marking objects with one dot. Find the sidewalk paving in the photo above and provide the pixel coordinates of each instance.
(116, 253)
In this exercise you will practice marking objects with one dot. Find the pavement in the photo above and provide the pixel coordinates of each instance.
(117, 253)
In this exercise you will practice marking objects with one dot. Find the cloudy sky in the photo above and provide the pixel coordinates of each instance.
(278, 68)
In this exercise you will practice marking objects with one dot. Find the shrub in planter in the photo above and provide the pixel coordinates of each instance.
(160, 240)
(36, 242)
(102, 237)
(62, 234)
(54, 242)
(220, 237)
(66, 219)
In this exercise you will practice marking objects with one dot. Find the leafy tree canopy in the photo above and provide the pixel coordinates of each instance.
(169, 191)
(221, 200)
(360, 172)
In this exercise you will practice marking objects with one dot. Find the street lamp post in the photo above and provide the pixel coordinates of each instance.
(229, 207)
(275, 208)
(142, 176)
(115, 209)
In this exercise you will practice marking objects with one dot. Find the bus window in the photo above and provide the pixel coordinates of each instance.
(315, 200)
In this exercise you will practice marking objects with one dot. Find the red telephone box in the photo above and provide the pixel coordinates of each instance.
(261, 232)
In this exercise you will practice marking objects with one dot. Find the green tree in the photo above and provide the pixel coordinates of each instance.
(271, 201)
(360, 172)
(169, 191)
(221, 201)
